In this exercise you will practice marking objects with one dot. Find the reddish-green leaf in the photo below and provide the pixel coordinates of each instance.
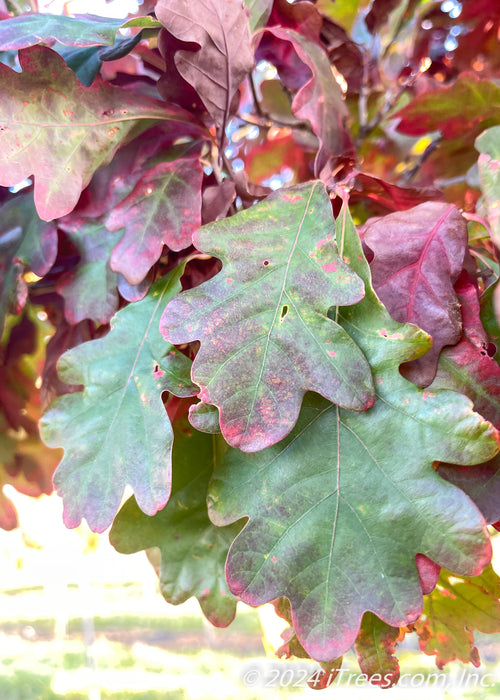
(116, 431)
(265, 337)
(375, 646)
(418, 256)
(339, 510)
(390, 197)
(325, 675)
(457, 110)
(25, 243)
(454, 610)
(89, 291)
(30, 29)
(163, 208)
(193, 551)
(56, 129)
(224, 57)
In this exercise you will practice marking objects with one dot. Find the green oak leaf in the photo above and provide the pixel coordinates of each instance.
(193, 550)
(262, 321)
(53, 127)
(454, 609)
(339, 510)
(116, 431)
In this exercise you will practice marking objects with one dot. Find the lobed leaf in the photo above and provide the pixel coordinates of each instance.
(163, 208)
(116, 432)
(265, 337)
(454, 610)
(56, 129)
(418, 256)
(193, 551)
(320, 102)
(339, 510)
(224, 57)
(375, 645)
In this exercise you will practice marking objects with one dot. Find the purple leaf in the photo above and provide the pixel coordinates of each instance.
(320, 101)
(224, 57)
(418, 256)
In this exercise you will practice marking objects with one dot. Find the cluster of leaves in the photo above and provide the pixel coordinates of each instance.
(265, 236)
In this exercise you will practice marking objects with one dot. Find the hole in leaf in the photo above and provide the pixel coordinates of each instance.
(265, 263)
(284, 312)
(491, 349)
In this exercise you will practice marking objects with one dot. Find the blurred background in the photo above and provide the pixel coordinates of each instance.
(80, 621)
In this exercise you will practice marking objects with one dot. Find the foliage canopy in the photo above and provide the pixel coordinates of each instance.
(250, 263)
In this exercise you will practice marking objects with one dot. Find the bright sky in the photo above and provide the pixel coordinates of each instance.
(116, 8)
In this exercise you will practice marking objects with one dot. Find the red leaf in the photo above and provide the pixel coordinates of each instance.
(428, 571)
(467, 366)
(171, 85)
(418, 255)
(389, 196)
(379, 12)
(113, 182)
